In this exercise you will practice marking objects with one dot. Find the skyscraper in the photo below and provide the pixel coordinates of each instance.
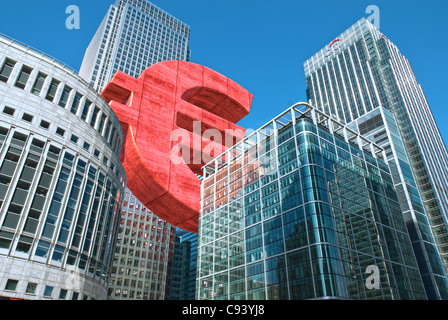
(362, 70)
(134, 35)
(380, 127)
(302, 209)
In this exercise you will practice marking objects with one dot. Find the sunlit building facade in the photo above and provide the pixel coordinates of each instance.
(134, 35)
(302, 209)
(360, 71)
(61, 181)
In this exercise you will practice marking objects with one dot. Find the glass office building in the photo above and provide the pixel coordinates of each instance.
(182, 274)
(361, 70)
(61, 181)
(303, 208)
(133, 35)
(178, 269)
(380, 127)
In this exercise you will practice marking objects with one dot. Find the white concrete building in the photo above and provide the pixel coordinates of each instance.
(61, 181)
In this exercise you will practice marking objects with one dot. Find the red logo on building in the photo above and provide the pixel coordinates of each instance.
(169, 97)
(334, 46)
(334, 41)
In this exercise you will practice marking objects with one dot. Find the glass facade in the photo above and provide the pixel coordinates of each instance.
(183, 267)
(178, 272)
(59, 195)
(368, 71)
(303, 209)
(134, 35)
(143, 250)
(363, 70)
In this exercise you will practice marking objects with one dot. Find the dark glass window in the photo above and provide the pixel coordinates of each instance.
(23, 77)
(51, 93)
(6, 70)
(64, 96)
(38, 84)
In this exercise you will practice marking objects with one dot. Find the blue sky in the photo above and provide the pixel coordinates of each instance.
(261, 44)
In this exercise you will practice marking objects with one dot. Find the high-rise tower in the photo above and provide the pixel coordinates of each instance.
(362, 70)
(133, 35)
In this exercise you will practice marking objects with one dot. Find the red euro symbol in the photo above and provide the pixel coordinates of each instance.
(175, 110)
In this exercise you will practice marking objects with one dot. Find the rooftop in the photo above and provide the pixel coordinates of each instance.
(288, 117)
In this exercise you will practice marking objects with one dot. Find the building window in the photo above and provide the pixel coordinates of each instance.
(27, 117)
(102, 122)
(48, 291)
(51, 93)
(23, 77)
(94, 116)
(64, 96)
(31, 288)
(9, 111)
(85, 110)
(6, 70)
(11, 285)
(74, 139)
(75, 104)
(63, 294)
(42, 249)
(38, 84)
(5, 239)
(60, 131)
(58, 253)
(24, 244)
(107, 132)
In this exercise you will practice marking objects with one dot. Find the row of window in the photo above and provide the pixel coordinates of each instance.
(145, 7)
(135, 59)
(49, 291)
(69, 99)
(86, 215)
(61, 132)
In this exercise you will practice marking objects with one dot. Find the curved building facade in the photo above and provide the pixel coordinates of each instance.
(61, 181)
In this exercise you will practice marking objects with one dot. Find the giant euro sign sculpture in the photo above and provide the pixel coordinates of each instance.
(170, 116)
